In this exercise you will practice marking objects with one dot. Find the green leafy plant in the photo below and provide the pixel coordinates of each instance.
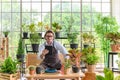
(56, 27)
(9, 66)
(31, 67)
(20, 49)
(103, 25)
(35, 38)
(114, 37)
(40, 25)
(117, 77)
(91, 59)
(32, 27)
(108, 75)
(67, 64)
(75, 55)
(72, 37)
(88, 38)
(6, 33)
(89, 55)
(25, 27)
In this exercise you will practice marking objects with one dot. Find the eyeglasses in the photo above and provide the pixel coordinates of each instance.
(49, 36)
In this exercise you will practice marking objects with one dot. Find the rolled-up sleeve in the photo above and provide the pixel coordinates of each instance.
(61, 49)
(41, 48)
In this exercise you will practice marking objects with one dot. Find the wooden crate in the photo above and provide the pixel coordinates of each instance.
(5, 76)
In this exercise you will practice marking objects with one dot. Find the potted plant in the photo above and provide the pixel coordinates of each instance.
(103, 25)
(114, 38)
(32, 29)
(20, 51)
(6, 33)
(56, 28)
(88, 38)
(8, 69)
(25, 29)
(75, 55)
(31, 69)
(90, 57)
(40, 25)
(35, 40)
(67, 65)
(72, 38)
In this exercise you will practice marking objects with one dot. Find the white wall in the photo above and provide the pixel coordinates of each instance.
(116, 9)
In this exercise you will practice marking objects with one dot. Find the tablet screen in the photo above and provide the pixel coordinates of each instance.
(50, 49)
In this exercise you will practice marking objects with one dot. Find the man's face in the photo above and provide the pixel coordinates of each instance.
(49, 38)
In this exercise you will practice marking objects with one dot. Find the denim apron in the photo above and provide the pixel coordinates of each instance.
(52, 61)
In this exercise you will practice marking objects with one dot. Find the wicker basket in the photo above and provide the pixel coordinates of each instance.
(5, 76)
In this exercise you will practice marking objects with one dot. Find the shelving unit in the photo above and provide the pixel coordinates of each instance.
(29, 47)
(4, 52)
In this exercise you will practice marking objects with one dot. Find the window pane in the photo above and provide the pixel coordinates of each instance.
(6, 21)
(75, 7)
(56, 7)
(77, 21)
(16, 0)
(96, 0)
(13, 38)
(56, 17)
(0, 7)
(16, 21)
(96, 7)
(86, 0)
(25, 7)
(34, 17)
(86, 7)
(26, 18)
(25, 0)
(66, 20)
(46, 0)
(37, 16)
(66, 0)
(0, 23)
(56, 0)
(45, 7)
(6, 7)
(36, 7)
(46, 18)
(105, 7)
(66, 7)
(86, 21)
(106, 14)
(15, 7)
(77, 0)
(106, 0)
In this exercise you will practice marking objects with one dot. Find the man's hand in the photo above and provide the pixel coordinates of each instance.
(44, 52)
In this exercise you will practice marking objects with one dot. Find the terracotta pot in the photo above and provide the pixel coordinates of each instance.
(115, 47)
(32, 72)
(91, 68)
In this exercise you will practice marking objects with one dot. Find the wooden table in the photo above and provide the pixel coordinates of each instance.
(72, 76)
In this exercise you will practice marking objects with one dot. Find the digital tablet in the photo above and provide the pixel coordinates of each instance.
(50, 49)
